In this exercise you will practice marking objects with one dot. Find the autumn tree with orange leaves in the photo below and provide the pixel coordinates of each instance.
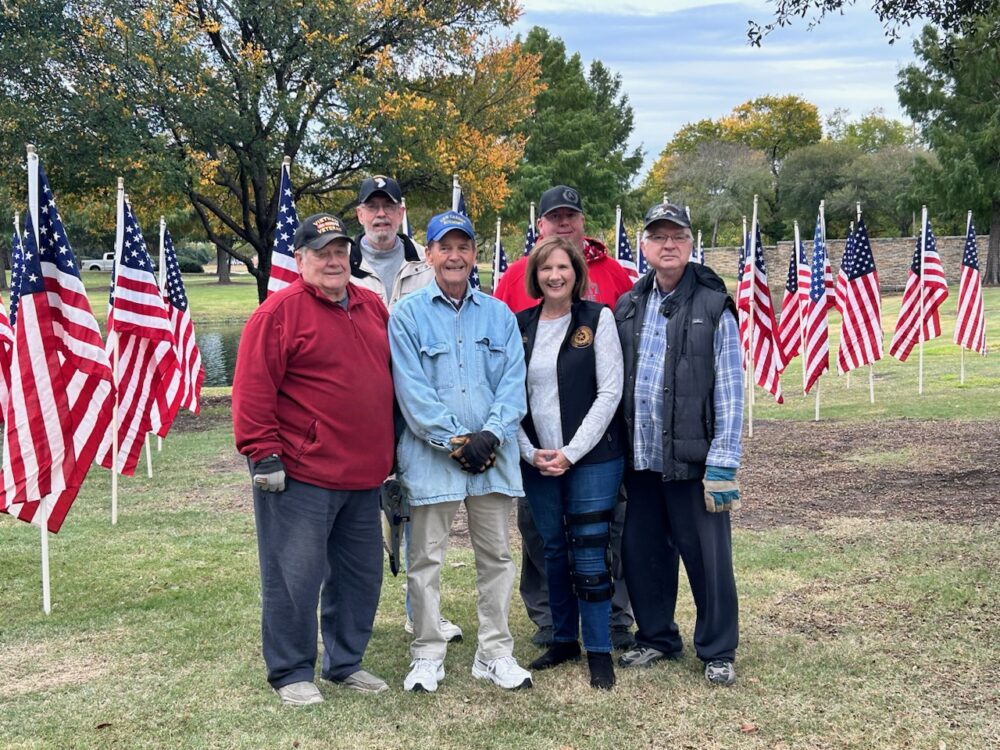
(209, 95)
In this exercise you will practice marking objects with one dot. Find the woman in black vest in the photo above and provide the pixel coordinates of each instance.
(571, 449)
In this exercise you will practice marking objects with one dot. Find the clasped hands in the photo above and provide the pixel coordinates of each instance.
(550, 463)
(476, 451)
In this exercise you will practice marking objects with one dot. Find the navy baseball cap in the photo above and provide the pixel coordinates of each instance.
(318, 230)
(560, 196)
(380, 184)
(441, 224)
(667, 212)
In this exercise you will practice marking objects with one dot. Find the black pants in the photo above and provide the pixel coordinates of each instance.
(309, 540)
(662, 520)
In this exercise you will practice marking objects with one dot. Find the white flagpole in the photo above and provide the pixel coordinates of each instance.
(496, 257)
(119, 242)
(871, 366)
(618, 229)
(665, 198)
(149, 459)
(750, 322)
(961, 349)
(406, 219)
(33, 213)
(456, 192)
(532, 216)
(920, 289)
(822, 223)
(163, 286)
(699, 250)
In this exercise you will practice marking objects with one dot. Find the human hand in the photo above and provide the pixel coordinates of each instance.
(551, 463)
(475, 452)
(722, 492)
(269, 474)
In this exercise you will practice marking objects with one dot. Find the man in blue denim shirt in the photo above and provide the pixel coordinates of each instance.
(458, 368)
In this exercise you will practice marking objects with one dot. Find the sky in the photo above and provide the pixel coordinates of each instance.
(682, 61)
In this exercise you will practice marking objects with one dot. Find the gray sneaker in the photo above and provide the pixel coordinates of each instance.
(720, 672)
(542, 637)
(643, 656)
(300, 694)
(363, 682)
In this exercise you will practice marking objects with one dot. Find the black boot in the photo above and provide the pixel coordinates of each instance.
(602, 671)
(556, 654)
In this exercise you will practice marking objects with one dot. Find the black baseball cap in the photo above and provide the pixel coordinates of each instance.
(560, 196)
(380, 184)
(667, 212)
(318, 230)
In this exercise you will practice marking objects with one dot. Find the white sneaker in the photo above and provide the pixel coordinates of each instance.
(451, 632)
(503, 671)
(424, 676)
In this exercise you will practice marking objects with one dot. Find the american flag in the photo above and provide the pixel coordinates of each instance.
(147, 371)
(458, 200)
(926, 280)
(643, 263)
(283, 268)
(499, 264)
(846, 261)
(970, 327)
(816, 357)
(743, 268)
(760, 326)
(792, 305)
(860, 306)
(625, 250)
(529, 239)
(805, 270)
(6, 345)
(62, 388)
(186, 348)
(16, 266)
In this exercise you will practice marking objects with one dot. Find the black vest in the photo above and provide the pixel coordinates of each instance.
(692, 312)
(576, 372)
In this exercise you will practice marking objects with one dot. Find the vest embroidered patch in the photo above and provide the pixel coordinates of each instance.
(582, 337)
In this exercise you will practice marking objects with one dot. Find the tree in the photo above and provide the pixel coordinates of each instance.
(717, 181)
(874, 131)
(953, 98)
(953, 15)
(578, 135)
(208, 95)
(814, 173)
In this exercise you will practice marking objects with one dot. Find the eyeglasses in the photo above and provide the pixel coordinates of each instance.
(663, 239)
(376, 207)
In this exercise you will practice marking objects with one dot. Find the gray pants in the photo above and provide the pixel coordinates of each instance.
(535, 591)
(312, 540)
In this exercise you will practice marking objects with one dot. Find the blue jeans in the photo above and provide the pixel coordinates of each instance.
(583, 489)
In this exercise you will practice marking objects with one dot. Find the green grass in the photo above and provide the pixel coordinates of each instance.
(861, 634)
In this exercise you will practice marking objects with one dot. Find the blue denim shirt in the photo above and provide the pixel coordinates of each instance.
(456, 372)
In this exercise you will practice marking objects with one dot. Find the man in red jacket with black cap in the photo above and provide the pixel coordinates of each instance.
(561, 213)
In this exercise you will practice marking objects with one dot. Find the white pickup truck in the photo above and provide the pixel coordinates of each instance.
(105, 263)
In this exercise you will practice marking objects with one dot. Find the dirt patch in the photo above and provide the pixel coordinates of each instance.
(799, 474)
(35, 666)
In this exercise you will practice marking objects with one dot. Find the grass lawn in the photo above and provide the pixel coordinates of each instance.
(854, 634)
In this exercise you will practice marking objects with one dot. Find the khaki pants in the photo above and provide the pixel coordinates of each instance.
(429, 528)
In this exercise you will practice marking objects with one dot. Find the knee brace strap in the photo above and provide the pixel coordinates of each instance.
(590, 540)
(596, 516)
(593, 588)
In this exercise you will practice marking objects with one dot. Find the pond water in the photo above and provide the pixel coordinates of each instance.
(218, 345)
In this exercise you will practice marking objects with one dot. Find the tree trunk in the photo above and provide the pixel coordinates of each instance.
(992, 277)
(222, 259)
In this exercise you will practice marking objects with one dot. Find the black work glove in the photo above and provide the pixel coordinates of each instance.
(269, 474)
(475, 452)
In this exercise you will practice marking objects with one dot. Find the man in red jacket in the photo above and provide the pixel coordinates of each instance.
(561, 213)
(312, 412)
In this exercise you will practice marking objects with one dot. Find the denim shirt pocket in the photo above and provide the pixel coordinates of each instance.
(491, 359)
(437, 364)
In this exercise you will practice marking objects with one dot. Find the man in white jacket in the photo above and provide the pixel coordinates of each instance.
(382, 259)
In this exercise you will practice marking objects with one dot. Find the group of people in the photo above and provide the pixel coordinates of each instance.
(611, 409)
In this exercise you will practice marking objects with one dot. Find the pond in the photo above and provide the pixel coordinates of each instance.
(218, 345)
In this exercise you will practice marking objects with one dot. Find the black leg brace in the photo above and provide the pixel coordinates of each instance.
(590, 588)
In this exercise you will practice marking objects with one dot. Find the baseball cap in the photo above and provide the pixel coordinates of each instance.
(441, 224)
(318, 230)
(380, 184)
(560, 196)
(667, 212)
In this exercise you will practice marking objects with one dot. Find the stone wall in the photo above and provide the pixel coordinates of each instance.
(892, 259)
